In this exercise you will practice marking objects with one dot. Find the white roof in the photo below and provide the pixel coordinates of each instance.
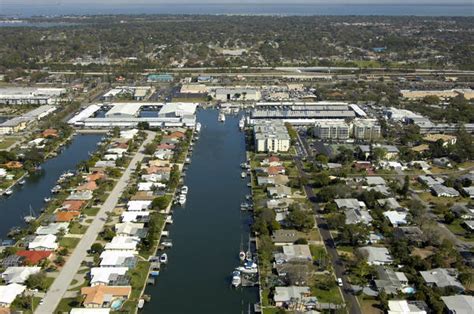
(128, 134)
(128, 227)
(402, 307)
(114, 258)
(297, 251)
(138, 205)
(41, 242)
(89, 311)
(127, 109)
(19, 274)
(9, 293)
(395, 217)
(178, 109)
(285, 294)
(459, 304)
(86, 113)
(102, 274)
(123, 243)
(145, 186)
(132, 216)
(52, 228)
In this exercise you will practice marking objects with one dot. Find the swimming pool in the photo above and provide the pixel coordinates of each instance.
(116, 304)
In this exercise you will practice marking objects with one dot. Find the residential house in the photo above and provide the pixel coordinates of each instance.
(66, 216)
(390, 203)
(442, 278)
(136, 216)
(80, 196)
(72, 205)
(138, 205)
(34, 257)
(118, 259)
(19, 274)
(440, 190)
(376, 255)
(9, 293)
(396, 218)
(286, 236)
(131, 229)
(279, 191)
(104, 296)
(13, 261)
(106, 275)
(406, 307)
(43, 243)
(53, 228)
(123, 243)
(265, 180)
(297, 252)
(392, 282)
(354, 210)
(413, 234)
(459, 304)
(430, 181)
(289, 296)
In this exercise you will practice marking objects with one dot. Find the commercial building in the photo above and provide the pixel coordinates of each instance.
(271, 136)
(428, 127)
(442, 94)
(227, 94)
(366, 129)
(30, 96)
(332, 129)
(18, 124)
(128, 92)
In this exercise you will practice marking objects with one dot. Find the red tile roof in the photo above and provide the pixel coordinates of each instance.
(34, 257)
(73, 205)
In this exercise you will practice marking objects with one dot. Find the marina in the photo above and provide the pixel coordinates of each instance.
(211, 220)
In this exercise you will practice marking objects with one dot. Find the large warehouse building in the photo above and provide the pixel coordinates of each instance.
(30, 96)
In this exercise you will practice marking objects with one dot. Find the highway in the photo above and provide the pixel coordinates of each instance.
(67, 273)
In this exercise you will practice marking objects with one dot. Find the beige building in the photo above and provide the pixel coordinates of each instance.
(271, 136)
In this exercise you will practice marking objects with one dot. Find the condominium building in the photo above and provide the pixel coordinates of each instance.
(331, 129)
(271, 136)
(367, 129)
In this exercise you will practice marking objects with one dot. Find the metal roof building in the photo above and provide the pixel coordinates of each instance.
(124, 110)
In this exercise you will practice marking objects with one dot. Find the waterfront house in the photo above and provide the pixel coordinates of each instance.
(138, 205)
(136, 216)
(96, 175)
(106, 275)
(265, 180)
(13, 261)
(50, 133)
(289, 296)
(131, 229)
(286, 236)
(376, 255)
(9, 293)
(53, 228)
(275, 170)
(43, 243)
(88, 186)
(34, 257)
(300, 252)
(123, 243)
(13, 165)
(72, 205)
(66, 216)
(279, 203)
(442, 278)
(174, 135)
(104, 296)
(279, 191)
(19, 274)
(80, 196)
(159, 163)
(272, 161)
(102, 164)
(118, 259)
(459, 304)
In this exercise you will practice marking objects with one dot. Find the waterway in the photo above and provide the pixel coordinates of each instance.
(207, 233)
(38, 186)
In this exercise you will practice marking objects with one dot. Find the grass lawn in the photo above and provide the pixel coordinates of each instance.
(332, 295)
(49, 281)
(128, 307)
(138, 278)
(91, 211)
(369, 305)
(429, 198)
(77, 228)
(69, 243)
(66, 304)
(314, 235)
(265, 297)
(7, 142)
(347, 251)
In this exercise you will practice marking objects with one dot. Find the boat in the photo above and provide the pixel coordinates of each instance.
(21, 182)
(243, 174)
(141, 303)
(198, 127)
(242, 256)
(8, 192)
(164, 258)
(236, 280)
(184, 190)
(31, 217)
(182, 200)
(249, 267)
(221, 117)
(56, 189)
(242, 123)
(47, 199)
(169, 219)
(167, 243)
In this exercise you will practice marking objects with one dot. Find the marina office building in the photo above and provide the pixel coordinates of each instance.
(271, 136)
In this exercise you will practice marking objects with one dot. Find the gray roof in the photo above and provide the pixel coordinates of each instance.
(442, 277)
(375, 181)
(347, 203)
(459, 304)
(377, 255)
(389, 280)
(440, 189)
(286, 235)
(390, 202)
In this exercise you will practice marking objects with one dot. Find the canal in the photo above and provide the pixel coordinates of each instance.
(38, 186)
(207, 233)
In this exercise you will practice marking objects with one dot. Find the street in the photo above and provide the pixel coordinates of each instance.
(66, 275)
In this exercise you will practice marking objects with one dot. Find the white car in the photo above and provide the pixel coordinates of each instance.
(339, 282)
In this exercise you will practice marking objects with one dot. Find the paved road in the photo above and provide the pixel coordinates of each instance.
(62, 282)
(339, 269)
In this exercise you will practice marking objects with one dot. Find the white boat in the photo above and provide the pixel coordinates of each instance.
(21, 182)
(8, 192)
(182, 200)
(242, 256)
(184, 190)
(47, 199)
(242, 123)
(221, 117)
(169, 219)
(31, 217)
(56, 189)
(243, 174)
(236, 279)
(164, 258)
(141, 303)
(198, 127)
(167, 243)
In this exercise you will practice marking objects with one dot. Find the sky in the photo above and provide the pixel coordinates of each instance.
(115, 2)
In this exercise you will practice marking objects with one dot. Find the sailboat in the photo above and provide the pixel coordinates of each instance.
(248, 254)
(242, 253)
(31, 217)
